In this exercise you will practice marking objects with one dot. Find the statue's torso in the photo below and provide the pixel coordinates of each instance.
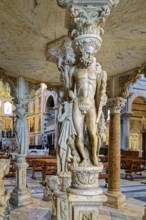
(85, 80)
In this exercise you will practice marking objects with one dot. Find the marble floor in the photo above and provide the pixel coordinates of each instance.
(135, 192)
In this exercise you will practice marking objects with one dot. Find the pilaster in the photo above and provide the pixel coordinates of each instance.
(125, 130)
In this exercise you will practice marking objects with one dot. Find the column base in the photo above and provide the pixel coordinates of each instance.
(21, 198)
(144, 217)
(85, 207)
(60, 206)
(115, 200)
(83, 198)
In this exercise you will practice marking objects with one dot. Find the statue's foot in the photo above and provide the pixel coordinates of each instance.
(83, 163)
(95, 160)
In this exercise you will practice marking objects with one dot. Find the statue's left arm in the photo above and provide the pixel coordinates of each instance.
(101, 96)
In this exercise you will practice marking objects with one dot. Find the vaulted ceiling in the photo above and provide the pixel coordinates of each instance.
(27, 26)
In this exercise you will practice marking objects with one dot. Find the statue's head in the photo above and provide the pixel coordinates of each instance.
(88, 46)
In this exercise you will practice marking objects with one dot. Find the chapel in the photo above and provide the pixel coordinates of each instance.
(73, 110)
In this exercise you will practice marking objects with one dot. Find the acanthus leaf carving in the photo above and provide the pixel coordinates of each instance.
(116, 104)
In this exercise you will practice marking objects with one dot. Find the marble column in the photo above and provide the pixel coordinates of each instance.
(21, 195)
(115, 198)
(125, 130)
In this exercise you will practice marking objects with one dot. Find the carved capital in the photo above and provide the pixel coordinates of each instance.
(85, 20)
(116, 104)
(65, 3)
(127, 115)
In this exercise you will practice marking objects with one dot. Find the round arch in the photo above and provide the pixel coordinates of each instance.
(50, 103)
(139, 94)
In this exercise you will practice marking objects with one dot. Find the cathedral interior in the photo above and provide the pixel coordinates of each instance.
(73, 110)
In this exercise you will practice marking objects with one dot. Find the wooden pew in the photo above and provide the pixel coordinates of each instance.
(43, 164)
(104, 173)
(50, 168)
(12, 171)
(131, 165)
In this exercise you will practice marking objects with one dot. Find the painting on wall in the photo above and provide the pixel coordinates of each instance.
(39, 139)
(39, 127)
(32, 140)
(39, 104)
(8, 124)
(32, 124)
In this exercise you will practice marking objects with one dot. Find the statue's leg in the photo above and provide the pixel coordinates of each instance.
(78, 120)
(62, 160)
(92, 129)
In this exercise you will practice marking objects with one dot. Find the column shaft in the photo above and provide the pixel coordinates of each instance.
(115, 198)
(114, 153)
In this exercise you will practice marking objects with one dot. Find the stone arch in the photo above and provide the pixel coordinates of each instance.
(141, 94)
(50, 97)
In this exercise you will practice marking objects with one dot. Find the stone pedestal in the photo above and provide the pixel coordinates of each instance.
(21, 195)
(115, 198)
(83, 198)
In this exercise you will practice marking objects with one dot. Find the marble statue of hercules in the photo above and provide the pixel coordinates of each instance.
(87, 89)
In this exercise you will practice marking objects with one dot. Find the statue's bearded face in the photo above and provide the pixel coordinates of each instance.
(88, 57)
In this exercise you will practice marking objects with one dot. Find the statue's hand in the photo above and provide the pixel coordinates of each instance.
(71, 95)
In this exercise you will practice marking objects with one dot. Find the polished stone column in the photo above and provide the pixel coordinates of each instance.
(125, 130)
(115, 198)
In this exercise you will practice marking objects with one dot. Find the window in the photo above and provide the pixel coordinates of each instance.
(8, 108)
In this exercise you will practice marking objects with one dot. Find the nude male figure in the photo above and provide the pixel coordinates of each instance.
(89, 83)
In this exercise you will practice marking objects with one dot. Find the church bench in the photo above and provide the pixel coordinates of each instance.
(40, 165)
(132, 166)
(12, 171)
(104, 173)
(32, 158)
(50, 168)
